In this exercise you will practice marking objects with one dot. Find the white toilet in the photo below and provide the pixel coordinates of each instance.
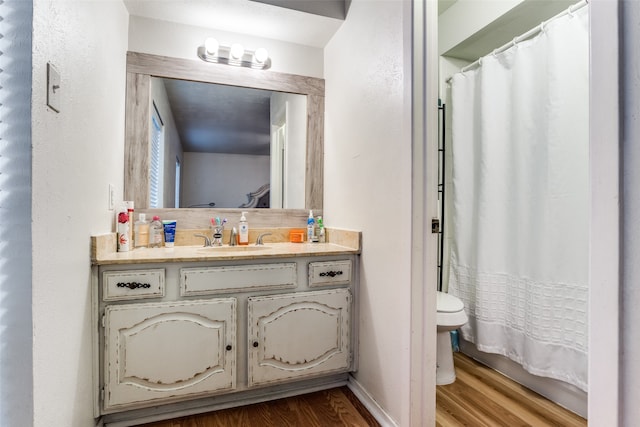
(450, 317)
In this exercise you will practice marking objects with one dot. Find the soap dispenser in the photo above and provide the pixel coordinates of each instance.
(243, 230)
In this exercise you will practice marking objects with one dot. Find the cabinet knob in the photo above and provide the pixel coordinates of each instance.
(255, 343)
(229, 347)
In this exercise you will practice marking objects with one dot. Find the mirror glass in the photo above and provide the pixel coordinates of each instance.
(181, 144)
(224, 146)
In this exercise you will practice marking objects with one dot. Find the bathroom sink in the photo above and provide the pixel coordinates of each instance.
(231, 249)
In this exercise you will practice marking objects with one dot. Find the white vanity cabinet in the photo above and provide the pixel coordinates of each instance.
(155, 351)
(181, 334)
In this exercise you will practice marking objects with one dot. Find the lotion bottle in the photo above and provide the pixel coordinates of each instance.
(243, 230)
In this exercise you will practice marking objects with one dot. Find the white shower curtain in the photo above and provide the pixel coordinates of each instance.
(520, 200)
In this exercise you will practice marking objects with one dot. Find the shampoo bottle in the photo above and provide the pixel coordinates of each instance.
(243, 230)
(310, 227)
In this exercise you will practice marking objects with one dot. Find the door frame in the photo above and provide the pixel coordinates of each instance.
(604, 254)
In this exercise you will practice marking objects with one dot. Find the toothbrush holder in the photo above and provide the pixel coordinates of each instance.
(218, 231)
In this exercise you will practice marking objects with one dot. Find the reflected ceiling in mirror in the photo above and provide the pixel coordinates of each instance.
(212, 118)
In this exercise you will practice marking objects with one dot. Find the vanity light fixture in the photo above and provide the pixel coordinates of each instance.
(236, 51)
(236, 54)
(211, 46)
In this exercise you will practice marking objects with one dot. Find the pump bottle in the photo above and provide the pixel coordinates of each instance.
(243, 230)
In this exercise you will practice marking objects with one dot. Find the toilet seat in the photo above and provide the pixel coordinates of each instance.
(447, 303)
(450, 311)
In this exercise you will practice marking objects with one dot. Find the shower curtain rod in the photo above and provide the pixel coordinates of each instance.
(532, 32)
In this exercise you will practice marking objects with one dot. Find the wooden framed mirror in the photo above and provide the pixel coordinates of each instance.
(142, 67)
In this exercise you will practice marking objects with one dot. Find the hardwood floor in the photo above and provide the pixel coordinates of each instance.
(482, 397)
(334, 407)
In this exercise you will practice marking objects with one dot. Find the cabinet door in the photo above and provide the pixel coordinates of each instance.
(298, 335)
(161, 351)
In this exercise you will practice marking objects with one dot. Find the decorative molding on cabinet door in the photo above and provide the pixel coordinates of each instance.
(161, 351)
(298, 335)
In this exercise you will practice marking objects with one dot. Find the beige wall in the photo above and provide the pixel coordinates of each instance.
(76, 154)
(368, 185)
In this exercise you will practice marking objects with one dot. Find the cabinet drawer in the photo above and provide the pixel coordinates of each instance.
(134, 284)
(238, 278)
(329, 273)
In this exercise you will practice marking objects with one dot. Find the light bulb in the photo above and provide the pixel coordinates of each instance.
(261, 55)
(237, 50)
(211, 46)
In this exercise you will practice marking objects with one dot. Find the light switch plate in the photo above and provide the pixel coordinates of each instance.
(53, 88)
(112, 197)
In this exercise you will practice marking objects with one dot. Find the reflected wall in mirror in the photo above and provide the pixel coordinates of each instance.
(275, 154)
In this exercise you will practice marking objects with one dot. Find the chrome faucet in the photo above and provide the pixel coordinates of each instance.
(233, 237)
(207, 241)
(259, 239)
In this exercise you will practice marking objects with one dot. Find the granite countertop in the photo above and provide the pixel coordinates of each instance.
(341, 242)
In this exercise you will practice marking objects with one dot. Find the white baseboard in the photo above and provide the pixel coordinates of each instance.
(369, 402)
